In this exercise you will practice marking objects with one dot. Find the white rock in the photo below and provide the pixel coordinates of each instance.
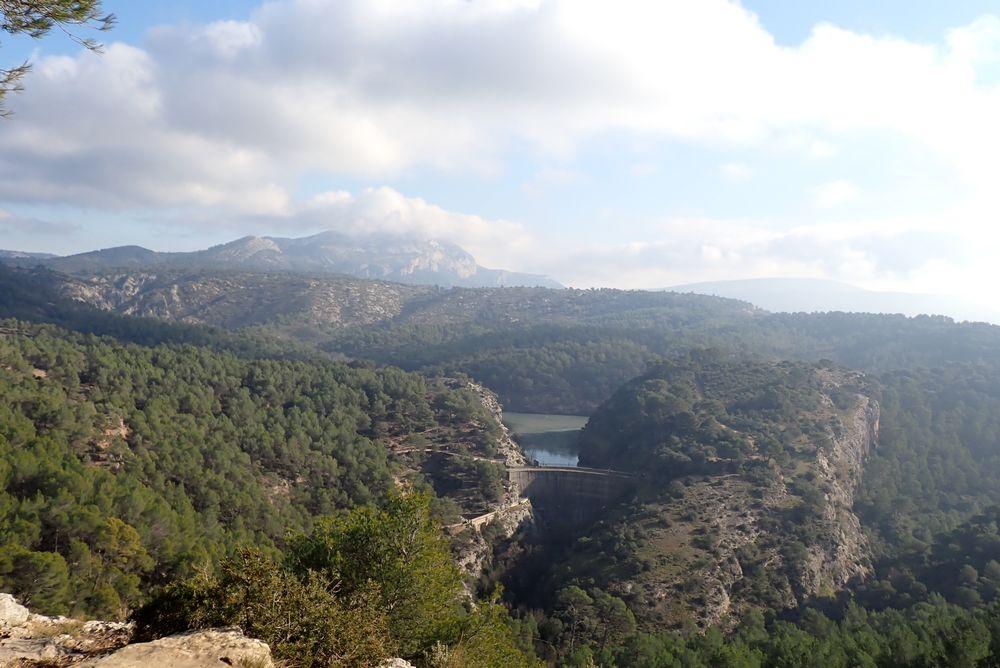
(210, 648)
(396, 663)
(12, 613)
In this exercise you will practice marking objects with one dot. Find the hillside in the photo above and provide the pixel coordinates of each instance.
(14, 256)
(757, 475)
(128, 466)
(394, 258)
(236, 300)
(560, 351)
(749, 474)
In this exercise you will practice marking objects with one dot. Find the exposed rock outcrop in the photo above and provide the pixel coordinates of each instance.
(765, 534)
(511, 513)
(28, 640)
(197, 649)
(507, 446)
(12, 613)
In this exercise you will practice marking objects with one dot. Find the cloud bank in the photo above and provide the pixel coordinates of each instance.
(226, 119)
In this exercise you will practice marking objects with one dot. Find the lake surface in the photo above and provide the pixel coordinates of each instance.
(549, 439)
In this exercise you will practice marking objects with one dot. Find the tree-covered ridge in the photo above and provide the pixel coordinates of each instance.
(938, 607)
(125, 466)
(359, 587)
(539, 349)
(695, 413)
(35, 296)
(569, 357)
(928, 634)
(938, 456)
(926, 504)
(746, 472)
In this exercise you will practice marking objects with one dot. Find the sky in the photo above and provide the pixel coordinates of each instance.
(625, 144)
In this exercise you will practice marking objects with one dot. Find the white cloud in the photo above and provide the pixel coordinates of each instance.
(222, 121)
(834, 193)
(231, 112)
(384, 210)
(896, 254)
(735, 172)
(548, 179)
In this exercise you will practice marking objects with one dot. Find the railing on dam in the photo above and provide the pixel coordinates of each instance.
(573, 470)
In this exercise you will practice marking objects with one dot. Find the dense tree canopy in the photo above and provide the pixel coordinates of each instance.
(123, 465)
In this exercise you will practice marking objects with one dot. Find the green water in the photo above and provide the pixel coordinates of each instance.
(549, 439)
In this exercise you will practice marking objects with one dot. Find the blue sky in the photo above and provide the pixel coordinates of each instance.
(662, 143)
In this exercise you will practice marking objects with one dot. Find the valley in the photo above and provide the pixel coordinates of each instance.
(633, 468)
(339, 334)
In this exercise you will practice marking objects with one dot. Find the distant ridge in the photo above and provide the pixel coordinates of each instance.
(387, 257)
(21, 255)
(810, 295)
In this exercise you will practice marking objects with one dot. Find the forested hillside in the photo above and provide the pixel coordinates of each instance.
(746, 474)
(571, 361)
(131, 461)
(562, 351)
(764, 488)
(127, 466)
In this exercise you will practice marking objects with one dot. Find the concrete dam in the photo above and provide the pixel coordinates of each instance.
(571, 495)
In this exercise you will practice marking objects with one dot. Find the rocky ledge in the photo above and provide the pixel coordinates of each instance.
(31, 640)
(28, 640)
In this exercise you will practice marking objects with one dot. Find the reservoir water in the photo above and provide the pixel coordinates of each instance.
(551, 440)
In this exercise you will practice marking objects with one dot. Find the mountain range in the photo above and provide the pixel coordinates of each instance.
(393, 258)
(810, 295)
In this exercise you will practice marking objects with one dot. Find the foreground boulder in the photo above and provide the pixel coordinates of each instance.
(12, 613)
(195, 649)
(27, 639)
(30, 640)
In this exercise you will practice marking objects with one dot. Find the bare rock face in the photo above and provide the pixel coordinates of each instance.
(511, 512)
(27, 639)
(12, 613)
(509, 449)
(397, 663)
(197, 649)
(722, 539)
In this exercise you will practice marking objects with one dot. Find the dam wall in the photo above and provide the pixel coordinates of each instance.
(570, 495)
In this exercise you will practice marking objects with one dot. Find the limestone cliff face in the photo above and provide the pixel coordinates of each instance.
(511, 513)
(843, 553)
(771, 536)
(29, 639)
(508, 447)
(240, 300)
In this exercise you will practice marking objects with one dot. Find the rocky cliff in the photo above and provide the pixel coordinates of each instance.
(31, 640)
(405, 259)
(749, 493)
(28, 640)
(478, 536)
(745, 548)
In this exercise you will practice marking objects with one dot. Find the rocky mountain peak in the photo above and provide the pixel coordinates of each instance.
(392, 257)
